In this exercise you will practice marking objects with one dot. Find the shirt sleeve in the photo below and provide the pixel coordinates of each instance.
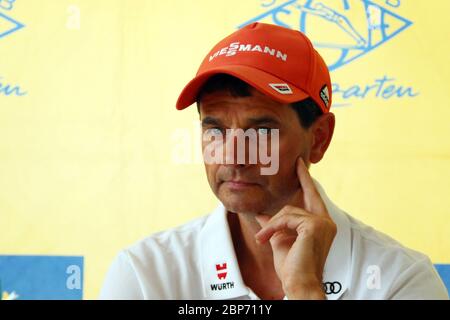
(420, 281)
(121, 282)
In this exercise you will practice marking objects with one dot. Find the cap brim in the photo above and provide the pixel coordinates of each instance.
(256, 78)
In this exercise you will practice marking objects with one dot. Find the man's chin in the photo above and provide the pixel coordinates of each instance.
(251, 200)
(244, 205)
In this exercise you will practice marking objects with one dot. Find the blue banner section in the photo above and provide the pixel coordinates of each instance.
(444, 272)
(41, 277)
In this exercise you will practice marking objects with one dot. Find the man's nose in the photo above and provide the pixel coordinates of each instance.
(237, 149)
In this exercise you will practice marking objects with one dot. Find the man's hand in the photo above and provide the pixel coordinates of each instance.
(300, 240)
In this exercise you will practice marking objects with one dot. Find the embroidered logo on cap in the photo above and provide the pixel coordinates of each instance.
(237, 47)
(282, 88)
(325, 95)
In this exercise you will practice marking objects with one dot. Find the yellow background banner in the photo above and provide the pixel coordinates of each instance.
(90, 140)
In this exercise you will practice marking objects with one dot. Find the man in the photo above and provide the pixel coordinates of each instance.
(276, 235)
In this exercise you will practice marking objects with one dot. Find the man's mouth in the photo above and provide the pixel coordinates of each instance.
(239, 184)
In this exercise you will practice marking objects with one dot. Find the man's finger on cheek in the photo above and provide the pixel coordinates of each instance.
(311, 198)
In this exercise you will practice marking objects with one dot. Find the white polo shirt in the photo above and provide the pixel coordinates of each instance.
(197, 261)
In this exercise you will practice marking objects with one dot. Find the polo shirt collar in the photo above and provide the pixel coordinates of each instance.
(221, 275)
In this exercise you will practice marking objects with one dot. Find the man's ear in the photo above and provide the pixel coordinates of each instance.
(321, 133)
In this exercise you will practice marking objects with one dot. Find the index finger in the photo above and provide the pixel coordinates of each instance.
(311, 197)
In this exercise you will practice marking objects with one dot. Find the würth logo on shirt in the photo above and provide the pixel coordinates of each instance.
(221, 271)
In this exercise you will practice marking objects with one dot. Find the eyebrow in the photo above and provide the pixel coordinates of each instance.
(264, 120)
(267, 120)
(211, 121)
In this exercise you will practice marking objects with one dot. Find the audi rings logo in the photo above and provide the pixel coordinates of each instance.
(332, 287)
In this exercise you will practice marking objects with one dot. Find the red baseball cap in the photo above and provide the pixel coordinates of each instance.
(279, 62)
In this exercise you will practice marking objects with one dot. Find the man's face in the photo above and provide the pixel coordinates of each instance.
(241, 187)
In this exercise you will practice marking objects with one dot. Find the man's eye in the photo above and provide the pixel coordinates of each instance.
(213, 131)
(264, 130)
